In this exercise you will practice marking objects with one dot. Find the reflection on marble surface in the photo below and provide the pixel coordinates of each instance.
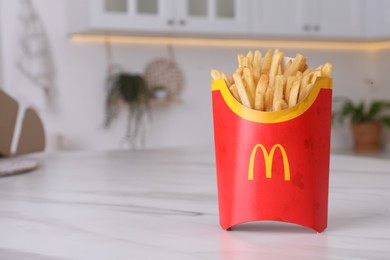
(162, 204)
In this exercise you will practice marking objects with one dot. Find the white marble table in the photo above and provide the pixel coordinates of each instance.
(162, 204)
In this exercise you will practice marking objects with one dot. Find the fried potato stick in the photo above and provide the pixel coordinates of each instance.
(246, 101)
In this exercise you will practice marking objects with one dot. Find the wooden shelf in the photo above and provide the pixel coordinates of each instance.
(164, 102)
(155, 101)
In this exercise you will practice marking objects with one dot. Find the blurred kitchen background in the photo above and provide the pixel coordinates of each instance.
(49, 60)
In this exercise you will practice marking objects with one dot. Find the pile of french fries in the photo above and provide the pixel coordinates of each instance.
(267, 84)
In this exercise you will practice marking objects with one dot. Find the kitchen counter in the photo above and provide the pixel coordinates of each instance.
(162, 204)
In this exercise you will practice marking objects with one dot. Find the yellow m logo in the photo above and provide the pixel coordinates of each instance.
(268, 158)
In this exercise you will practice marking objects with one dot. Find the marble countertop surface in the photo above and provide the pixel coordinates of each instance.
(162, 204)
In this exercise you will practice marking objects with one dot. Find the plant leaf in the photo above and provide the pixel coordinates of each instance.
(374, 110)
(386, 121)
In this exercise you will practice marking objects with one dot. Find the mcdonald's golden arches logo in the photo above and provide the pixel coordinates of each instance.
(268, 158)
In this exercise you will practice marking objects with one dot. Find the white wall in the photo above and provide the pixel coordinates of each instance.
(381, 88)
(80, 89)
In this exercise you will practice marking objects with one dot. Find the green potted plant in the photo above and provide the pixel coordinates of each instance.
(132, 91)
(367, 119)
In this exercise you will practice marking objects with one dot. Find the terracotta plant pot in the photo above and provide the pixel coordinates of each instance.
(367, 136)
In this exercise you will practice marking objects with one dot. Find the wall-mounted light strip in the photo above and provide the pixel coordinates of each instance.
(212, 42)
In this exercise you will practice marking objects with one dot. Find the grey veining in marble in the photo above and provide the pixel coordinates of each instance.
(162, 204)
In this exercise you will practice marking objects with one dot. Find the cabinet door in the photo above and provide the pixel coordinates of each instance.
(212, 16)
(281, 17)
(378, 19)
(339, 19)
(384, 19)
(134, 15)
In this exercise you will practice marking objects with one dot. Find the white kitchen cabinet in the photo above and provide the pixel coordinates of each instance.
(339, 18)
(283, 19)
(212, 16)
(159, 16)
(378, 24)
(308, 18)
(119, 15)
(280, 17)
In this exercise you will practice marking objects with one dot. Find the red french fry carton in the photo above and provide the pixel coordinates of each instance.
(273, 165)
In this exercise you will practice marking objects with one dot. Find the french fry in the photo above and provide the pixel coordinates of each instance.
(293, 97)
(259, 102)
(245, 62)
(277, 106)
(257, 66)
(240, 70)
(280, 105)
(284, 104)
(289, 84)
(246, 101)
(303, 66)
(279, 70)
(231, 80)
(261, 89)
(234, 91)
(305, 92)
(267, 62)
(268, 99)
(316, 74)
(294, 67)
(306, 72)
(251, 88)
(215, 74)
(288, 64)
(262, 84)
(304, 87)
(249, 56)
(278, 92)
(276, 60)
(327, 69)
(239, 60)
(227, 80)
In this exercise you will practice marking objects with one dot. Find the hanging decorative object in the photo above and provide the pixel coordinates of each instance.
(164, 75)
(128, 89)
(35, 60)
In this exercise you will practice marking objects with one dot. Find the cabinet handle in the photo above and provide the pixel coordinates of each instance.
(182, 22)
(316, 27)
(306, 27)
(170, 22)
